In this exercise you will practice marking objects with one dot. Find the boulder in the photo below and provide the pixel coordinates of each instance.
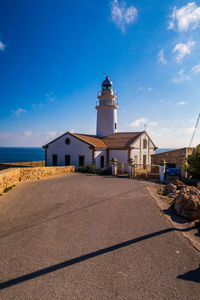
(169, 188)
(180, 184)
(171, 195)
(188, 203)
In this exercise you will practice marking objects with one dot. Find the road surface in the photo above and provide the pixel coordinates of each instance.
(82, 236)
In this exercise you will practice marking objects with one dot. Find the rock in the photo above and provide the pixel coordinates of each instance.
(198, 185)
(180, 184)
(169, 188)
(188, 203)
(171, 195)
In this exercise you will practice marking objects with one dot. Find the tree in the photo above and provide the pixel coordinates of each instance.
(194, 163)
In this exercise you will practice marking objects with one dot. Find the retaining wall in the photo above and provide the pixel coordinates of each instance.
(12, 177)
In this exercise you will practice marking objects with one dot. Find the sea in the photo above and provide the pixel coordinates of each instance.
(17, 154)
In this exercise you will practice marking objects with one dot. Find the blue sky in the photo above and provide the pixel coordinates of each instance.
(55, 54)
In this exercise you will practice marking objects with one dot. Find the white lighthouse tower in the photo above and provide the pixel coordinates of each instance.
(106, 110)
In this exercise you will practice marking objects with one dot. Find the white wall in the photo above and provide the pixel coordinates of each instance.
(74, 149)
(121, 155)
(97, 156)
(106, 119)
(139, 151)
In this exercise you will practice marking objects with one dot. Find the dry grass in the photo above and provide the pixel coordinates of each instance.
(28, 164)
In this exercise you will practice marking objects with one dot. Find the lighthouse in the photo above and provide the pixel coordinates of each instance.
(106, 107)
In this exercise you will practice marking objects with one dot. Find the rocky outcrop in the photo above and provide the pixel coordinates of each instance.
(187, 203)
(169, 188)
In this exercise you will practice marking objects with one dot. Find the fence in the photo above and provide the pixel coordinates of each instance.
(148, 171)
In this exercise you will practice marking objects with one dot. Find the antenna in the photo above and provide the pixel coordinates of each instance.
(194, 130)
(145, 127)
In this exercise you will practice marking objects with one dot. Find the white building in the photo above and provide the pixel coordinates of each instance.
(99, 149)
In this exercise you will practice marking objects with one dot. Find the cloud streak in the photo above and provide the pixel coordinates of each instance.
(2, 46)
(184, 18)
(181, 77)
(183, 50)
(122, 15)
(19, 111)
(161, 57)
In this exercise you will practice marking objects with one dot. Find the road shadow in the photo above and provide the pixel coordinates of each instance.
(193, 275)
(82, 258)
(174, 216)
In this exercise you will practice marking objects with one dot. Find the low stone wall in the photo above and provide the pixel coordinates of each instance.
(12, 177)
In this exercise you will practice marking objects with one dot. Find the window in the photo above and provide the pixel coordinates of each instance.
(55, 159)
(115, 125)
(81, 160)
(67, 141)
(102, 162)
(67, 160)
(144, 161)
(145, 144)
(136, 159)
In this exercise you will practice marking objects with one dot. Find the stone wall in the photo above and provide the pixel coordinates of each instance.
(12, 177)
(177, 157)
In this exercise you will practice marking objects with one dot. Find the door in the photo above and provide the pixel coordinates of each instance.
(102, 162)
(144, 161)
(81, 160)
(55, 159)
(67, 160)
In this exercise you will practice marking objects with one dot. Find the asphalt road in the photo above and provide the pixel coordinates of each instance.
(91, 237)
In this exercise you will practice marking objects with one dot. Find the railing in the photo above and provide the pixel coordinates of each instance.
(146, 170)
(107, 102)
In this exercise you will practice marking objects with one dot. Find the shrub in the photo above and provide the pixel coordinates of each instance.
(194, 164)
(93, 170)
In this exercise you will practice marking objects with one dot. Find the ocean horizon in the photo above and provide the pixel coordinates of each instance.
(25, 154)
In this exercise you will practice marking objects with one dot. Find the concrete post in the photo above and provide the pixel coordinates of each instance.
(162, 171)
(130, 168)
(114, 166)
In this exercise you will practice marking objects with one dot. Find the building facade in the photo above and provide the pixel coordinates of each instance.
(82, 149)
(174, 159)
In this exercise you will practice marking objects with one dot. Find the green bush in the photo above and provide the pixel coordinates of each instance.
(93, 170)
(193, 162)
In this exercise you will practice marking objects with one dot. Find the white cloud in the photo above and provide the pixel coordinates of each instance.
(2, 46)
(50, 134)
(121, 15)
(181, 77)
(152, 124)
(139, 122)
(183, 49)
(181, 103)
(184, 18)
(19, 111)
(161, 57)
(142, 88)
(27, 133)
(186, 130)
(193, 120)
(196, 69)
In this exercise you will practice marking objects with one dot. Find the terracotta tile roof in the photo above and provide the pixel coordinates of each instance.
(91, 139)
(121, 140)
(118, 140)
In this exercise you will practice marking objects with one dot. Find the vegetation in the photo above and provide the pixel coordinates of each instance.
(93, 170)
(193, 162)
(8, 188)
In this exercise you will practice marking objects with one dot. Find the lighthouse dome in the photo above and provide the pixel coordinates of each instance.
(107, 84)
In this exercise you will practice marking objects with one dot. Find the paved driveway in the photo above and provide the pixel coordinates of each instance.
(91, 237)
